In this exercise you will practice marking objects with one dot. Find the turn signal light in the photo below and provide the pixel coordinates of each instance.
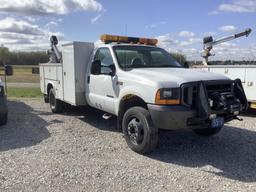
(123, 39)
(162, 101)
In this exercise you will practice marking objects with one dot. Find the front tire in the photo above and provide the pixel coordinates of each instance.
(55, 104)
(140, 134)
(207, 132)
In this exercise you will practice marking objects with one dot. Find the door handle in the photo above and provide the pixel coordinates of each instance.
(250, 84)
(88, 79)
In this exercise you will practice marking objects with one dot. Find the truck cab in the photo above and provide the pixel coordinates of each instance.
(144, 87)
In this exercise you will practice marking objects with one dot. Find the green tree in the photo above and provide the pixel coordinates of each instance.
(179, 57)
(4, 54)
(22, 58)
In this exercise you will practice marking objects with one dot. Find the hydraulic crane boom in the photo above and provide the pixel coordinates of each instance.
(55, 56)
(209, 43)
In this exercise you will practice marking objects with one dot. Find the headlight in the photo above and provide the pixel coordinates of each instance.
(168, 96)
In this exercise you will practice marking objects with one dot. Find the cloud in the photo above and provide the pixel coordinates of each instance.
(52, 23)
(213, 12)
(186, 34)
(151, 26)
(190, 42)
(30, 19)
(209, 33)
(95, 19)
(233, 51)
(11, 25)
(237, 6)
(228, 28)
(166, 41)
(44, 7)
(187, 48)
(23, 35)
(154, 25)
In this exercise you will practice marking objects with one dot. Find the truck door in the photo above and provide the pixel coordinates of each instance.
(102, 92)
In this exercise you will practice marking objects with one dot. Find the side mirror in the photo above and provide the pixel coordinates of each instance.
(113, 70)
(96, 67)
(186, 65)
(8, 70)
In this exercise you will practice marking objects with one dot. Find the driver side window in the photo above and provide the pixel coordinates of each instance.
(104, 55)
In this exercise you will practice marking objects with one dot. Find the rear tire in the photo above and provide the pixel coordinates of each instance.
(207, 132)
(140, 134)
(55, 104)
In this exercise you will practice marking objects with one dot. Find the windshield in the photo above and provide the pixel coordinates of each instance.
(143, 57)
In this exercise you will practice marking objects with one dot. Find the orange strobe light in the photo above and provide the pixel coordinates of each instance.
(123, 39)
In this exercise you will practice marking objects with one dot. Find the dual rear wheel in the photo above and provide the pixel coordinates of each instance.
(56, 105)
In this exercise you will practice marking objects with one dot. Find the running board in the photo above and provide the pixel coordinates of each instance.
(106, 116)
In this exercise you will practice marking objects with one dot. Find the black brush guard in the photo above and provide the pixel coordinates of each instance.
(226, 104)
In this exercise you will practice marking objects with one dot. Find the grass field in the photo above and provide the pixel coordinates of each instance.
(24, 92)
(22, 74)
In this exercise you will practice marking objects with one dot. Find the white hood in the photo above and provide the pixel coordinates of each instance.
(175, 76)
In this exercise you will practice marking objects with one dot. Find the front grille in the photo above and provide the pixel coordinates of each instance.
(190, 90)
(220, 88)
(189, 95)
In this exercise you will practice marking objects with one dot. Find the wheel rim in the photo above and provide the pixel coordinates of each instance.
(52, 100)
(135, 131)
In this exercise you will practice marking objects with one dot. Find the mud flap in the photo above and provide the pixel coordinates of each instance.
(203, 108)
(239, 93)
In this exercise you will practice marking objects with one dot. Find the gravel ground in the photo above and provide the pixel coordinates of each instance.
(80, 151)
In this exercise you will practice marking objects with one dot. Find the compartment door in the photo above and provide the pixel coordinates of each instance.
(69, 74)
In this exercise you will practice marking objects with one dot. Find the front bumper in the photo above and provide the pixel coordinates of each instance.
(180, 117)
(171, 117)
(199, 115)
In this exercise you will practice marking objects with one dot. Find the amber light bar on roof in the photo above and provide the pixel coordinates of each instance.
(124, 39)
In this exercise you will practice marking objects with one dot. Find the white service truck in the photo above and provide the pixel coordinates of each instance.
(244, 72)
(142, 85)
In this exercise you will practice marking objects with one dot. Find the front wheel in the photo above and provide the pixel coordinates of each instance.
(139, 132)
(55, 104)
(207, 132)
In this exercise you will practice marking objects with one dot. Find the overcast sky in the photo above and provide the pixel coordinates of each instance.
(179, 25)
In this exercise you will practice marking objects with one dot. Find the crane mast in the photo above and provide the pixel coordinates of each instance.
(209, 43)
(55, 55)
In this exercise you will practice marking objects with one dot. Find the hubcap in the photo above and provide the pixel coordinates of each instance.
(135, 131)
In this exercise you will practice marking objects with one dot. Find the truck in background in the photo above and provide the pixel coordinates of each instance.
(244, 72)
(142, 85)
